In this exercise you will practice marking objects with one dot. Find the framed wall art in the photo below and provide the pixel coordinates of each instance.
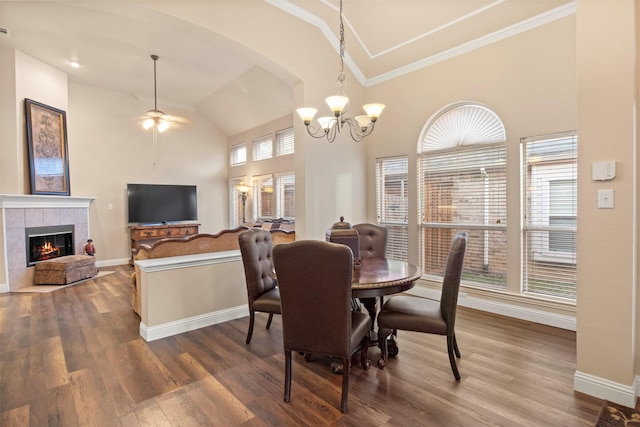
(48, 153)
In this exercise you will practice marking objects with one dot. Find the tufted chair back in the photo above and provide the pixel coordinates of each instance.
(256, 248)
(373, 240)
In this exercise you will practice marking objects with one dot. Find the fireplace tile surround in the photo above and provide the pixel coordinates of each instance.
(22, 211)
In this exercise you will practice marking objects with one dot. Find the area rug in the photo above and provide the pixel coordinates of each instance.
(51, 288)
(613, 414)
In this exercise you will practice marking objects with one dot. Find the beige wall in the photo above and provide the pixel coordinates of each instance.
(607, 241)
(180, 293)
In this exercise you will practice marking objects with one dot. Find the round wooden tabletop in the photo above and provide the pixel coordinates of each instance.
(378, 277)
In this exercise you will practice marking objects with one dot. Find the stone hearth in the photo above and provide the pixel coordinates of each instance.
(22, 211)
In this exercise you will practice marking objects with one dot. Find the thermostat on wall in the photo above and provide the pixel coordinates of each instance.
(603, 171)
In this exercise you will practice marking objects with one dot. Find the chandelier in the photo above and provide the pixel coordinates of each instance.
(155, 118)
(330, 126)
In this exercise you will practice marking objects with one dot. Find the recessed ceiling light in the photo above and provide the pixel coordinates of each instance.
(74, 63)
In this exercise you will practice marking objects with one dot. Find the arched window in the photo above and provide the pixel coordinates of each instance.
(462, 186)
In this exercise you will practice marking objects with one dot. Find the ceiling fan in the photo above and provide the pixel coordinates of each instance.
(155, 118)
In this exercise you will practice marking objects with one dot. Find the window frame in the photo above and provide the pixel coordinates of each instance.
(260, 153)
(233, 154)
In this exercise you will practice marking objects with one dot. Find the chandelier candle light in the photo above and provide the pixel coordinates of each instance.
(155, 118)
(359, 127)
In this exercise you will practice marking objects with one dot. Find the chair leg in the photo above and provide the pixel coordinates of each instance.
(287, 375)
(270, 319)
(455, 346)
(346, 367)
(251, 320)
(364, 353)
(383, 334)
(451, 343)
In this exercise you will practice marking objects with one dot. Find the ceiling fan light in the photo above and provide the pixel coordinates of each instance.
(163, 125)
(148, 123)
(373, 110)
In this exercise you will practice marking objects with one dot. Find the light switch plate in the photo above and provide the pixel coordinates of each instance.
(605, 199)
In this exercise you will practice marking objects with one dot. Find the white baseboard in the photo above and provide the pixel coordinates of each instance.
(505, 309)
(112, 262)
(4, 287)
(605, 389)
(192, 323)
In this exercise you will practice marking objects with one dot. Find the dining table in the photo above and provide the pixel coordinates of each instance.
(376, 278)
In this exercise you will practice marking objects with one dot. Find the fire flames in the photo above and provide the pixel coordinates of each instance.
(48, 251)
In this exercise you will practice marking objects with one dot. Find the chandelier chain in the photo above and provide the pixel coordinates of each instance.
(341, 76)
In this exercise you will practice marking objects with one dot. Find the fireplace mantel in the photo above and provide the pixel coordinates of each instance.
(44, 201)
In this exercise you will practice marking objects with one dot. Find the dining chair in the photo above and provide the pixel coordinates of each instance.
(263, 295)
(417, 314)
(373, 240)
(373, 244)
(314, 278)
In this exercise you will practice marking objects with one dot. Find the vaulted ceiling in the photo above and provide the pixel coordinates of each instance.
(113, 39)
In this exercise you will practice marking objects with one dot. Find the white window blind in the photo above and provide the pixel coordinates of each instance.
(235, 203)
(549, 176)
(465, 189)
(285, 142)
(392, 203)
(286, 196)
(263, 197)
(262, 148)
(238, 154)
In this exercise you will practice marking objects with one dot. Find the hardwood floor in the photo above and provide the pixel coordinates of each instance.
(74, 357)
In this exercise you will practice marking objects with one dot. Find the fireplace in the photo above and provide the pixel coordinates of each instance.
(44, 243)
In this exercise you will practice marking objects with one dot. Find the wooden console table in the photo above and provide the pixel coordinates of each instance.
(148, 234)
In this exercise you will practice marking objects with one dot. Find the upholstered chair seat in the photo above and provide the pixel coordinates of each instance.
(409, 313)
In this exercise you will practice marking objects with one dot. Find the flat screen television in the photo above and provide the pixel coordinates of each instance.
(158, 203)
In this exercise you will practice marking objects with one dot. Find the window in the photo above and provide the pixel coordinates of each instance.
(392, 202)
(263, 206)
(285, 191)
(262, 148)
(284, 142)
(549, 185)
(237, 206)
(274, 196)
(238, 155)
(462, 186)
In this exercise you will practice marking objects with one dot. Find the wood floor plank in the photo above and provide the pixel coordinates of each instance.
(54, 365)
(91, 400)
(15, 417)
(14, 379)
(61, 410)
(74, 357)
(181, 409)
(221, 406)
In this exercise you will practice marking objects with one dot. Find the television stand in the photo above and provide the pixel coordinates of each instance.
(149, 234)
